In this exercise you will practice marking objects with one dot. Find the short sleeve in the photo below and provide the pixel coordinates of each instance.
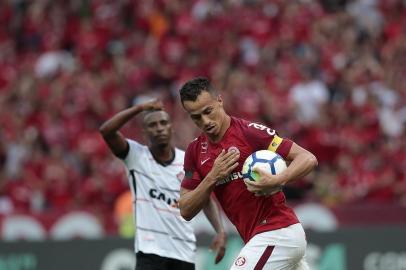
(261, 137)
(134, 152)
(192, 177)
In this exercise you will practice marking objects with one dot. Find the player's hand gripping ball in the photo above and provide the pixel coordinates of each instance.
(265, 159)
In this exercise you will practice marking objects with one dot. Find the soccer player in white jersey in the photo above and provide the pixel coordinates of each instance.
(164, 240)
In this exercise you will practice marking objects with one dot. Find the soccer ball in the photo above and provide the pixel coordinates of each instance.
(268, 160)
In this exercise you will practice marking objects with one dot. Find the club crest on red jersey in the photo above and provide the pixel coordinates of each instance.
(204, 146)
(233, 148)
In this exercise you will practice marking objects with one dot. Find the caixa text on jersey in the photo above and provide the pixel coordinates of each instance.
(158, 195)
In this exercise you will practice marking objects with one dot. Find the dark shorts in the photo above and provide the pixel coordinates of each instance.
(155, 262)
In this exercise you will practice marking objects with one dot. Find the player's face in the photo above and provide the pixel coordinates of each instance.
(207, 113)
(158, 128)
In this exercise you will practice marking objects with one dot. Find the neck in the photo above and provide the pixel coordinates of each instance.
(225, 125)
(162, 153)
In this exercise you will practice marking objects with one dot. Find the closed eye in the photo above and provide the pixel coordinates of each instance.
(195, 116)
(208, 111)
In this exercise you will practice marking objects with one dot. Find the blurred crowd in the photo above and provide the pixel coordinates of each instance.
(331, 75)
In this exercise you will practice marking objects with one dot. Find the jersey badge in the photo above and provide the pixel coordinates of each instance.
(240, 261)
(204, 146)
(233, 148)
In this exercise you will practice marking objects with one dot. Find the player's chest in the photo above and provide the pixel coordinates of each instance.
(210, 152)
(171, 174)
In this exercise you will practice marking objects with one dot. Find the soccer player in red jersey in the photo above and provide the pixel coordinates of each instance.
(274, 238)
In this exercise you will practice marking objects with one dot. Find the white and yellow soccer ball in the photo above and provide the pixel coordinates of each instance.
(265, 159)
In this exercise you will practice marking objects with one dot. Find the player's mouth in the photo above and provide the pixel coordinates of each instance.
(210, 128)
(161, 137)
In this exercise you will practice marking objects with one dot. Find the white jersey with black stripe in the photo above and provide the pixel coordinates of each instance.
(160, 229)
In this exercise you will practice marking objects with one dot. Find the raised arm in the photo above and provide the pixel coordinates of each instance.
(110, 129)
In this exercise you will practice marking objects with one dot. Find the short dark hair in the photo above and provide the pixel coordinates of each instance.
(193, 88)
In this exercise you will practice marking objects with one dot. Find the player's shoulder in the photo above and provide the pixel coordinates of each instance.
(179, 152)
(239, 122)
(246, 124)
(134, 143)
(196, 146)
(250, 128)
(136, 147)
(136, 154)
(195, 143)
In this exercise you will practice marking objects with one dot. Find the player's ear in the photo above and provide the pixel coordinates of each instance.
(220, 99)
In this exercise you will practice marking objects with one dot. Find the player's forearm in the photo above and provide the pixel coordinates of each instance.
(192, 202)
(300, 166)
(112, 125)
(212, 213)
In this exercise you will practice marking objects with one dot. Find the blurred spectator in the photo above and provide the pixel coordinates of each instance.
(330, 74)
(123, 213)
(308, 97)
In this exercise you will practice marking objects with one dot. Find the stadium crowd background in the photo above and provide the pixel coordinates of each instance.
(329, 74)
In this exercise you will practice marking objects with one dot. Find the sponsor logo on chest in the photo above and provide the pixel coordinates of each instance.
(231, 177)
(159, 195)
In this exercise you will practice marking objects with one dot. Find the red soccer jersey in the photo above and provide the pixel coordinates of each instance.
(250, 214)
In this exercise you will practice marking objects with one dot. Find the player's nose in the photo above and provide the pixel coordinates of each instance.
(160, 128)
(205, 121)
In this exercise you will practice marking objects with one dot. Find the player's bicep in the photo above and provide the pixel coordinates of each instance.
(192, 176)
(294, 151)
(117, 144)
(279, 145)
(191, 180)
